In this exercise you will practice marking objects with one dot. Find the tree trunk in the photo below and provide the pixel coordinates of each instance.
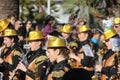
(8, 7)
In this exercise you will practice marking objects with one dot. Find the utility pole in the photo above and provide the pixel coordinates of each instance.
(48, 7)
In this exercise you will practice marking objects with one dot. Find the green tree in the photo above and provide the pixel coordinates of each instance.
(30, 9)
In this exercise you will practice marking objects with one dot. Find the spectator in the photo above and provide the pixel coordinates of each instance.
(49, 24)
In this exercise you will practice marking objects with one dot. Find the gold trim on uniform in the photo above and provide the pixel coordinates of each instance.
(17, 53)
(9, 57)
(39, 59)
(33, 66)
(58, 74)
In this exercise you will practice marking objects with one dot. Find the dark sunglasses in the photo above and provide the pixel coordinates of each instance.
(116, 26)
(20, 24)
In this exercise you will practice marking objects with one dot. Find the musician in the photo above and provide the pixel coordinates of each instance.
(85, 56)
(117, 25)
(11, 53)
(66, 31)
(58, 54)
(36, 58)
(108, 68)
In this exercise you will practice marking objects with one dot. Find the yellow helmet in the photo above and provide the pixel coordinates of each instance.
(56, 42)
(67, 28)
(35, 35)
(3, 24)
(109, 33)
(83, 28)
(9, 32)
(117, 21)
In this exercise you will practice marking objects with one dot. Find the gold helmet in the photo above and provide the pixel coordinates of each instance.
(35, 35)
(56, 42)
(83, 28)
(117, 21)
(67, 28)
(9, 32)
(3, 24)
(109, 33)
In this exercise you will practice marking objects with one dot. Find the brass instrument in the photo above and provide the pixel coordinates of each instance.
(114, 77)
(100, 53)
(72, 46)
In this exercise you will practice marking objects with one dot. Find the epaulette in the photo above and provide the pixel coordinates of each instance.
(58, 74)
(40, 59)
(17, 53)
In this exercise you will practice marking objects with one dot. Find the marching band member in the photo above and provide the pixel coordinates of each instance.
(58, 54)
(11, 53)
(117, 25)
(66, 31)
(85, 56)
(36, 58)
(108, 68)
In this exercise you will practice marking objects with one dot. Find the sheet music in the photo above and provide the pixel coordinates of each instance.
(115, 44)
(87, 50)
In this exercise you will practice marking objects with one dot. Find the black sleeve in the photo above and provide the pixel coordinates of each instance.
(88, 61)
(109, 71)
(42, 68)
(105, 70)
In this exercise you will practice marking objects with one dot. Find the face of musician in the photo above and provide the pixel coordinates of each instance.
(8, 41)
(65, 35)
(117, 27)
(34, 45)
(82, 36)
(52, 54)
(108, 44)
